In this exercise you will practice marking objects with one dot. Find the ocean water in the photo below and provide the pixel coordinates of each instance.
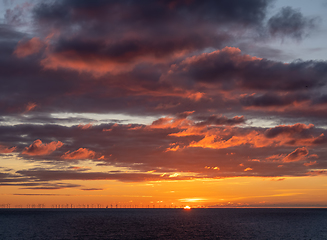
(163, 224)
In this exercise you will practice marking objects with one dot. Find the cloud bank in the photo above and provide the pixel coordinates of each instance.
(181, 63)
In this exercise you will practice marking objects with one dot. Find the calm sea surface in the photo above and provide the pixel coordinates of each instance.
(163, 224)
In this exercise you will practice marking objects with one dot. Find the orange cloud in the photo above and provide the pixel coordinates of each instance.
(254, 160)
(276, 157)
(317, 172)
(173, 148)
(81, 153)
(297, 155)
(85, 126)
(202, 128)
(30, 106)
(101, 64)
(38, 148)
(72, 60)
(4, 149)
(196, 96)
(248, 169)
(309, 163)
(169, 122)
(107, 130)
(30, 47)
(215, 140)
(234, 54)
(219, 138)
(213, 168)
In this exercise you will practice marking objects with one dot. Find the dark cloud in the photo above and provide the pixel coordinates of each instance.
(231, 69)
(39, 194)
(290, 22)
(214, 120)
(322, 99)
(53, 186)
(92, 189)
(9, 34)
(299, 129)
(125, 74)
(143, 31)
(159, 59)
(52, 175)
(146, 11)
(114, 36)
(127, 51)
(269, 100)
(267, 52)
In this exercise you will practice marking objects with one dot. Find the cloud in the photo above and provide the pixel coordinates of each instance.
(60, 12)
(320, 140)
(215, 140)
(173, 147)
(310, 163)
(52, 186)
(52, 175)
(166, 60)
(297, 155)
(17, 16)
(10, 34)
(124, 34)
(85, 126)
(132, 28)
(291, 130)
(81, 153)
(180, 121)
(215, 120)
(248, 169)
(219, 138)
(317, 172)
(165, 89)
(30, 107)
(4, 149)
(274, 100)
(26, 48)
(183, 148)
(92, 189)
(37, 148)
(231, 69)
(291, 22)
(39, 194)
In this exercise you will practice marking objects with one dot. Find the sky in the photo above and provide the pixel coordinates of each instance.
(165, 103)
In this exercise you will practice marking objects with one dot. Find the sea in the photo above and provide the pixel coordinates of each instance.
(136, 223)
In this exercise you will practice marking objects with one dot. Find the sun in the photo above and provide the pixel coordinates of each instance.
(187, 208)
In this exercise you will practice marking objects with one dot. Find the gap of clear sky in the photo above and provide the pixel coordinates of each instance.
(163, 103)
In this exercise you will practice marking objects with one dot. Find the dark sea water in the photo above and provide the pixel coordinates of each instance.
(163, 224)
